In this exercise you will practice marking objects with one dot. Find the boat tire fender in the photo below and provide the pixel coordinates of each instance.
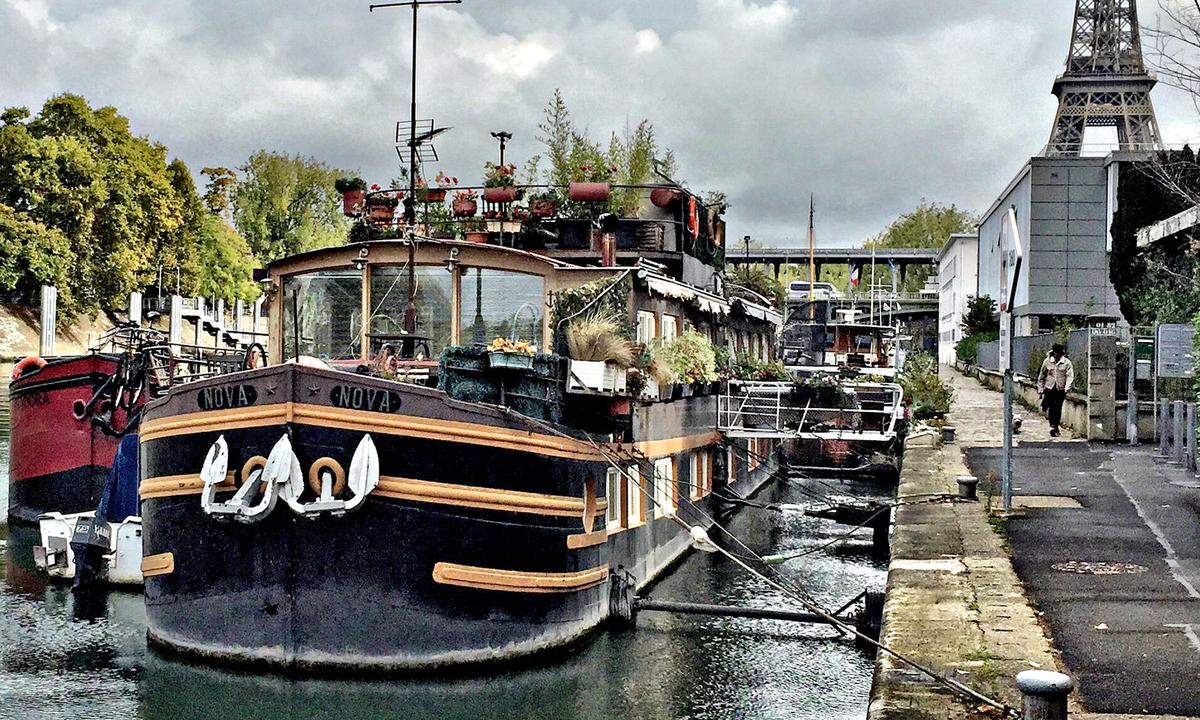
(30, 361)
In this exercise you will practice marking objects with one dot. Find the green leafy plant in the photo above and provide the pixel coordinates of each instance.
(689, 358)
(747, 368)
(348, 184)
(967, 349)
(598, 338)
(981, 316)
(931, 397)
(498, 175)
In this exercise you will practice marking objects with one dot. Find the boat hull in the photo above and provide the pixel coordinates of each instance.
(57, 463)
(485, 539)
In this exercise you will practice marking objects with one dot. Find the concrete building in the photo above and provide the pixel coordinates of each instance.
(1064, 208)
(958, 279)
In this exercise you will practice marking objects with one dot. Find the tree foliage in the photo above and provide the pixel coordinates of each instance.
(1160, 283)
(981, 316)
(93, 208)
(284, 204)
(927, 226)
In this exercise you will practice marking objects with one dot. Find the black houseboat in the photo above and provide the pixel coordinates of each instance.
(392, 500)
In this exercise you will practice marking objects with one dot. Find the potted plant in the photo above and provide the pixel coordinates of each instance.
(354, 191)
(465, 203)
(543, 204)
(692, 360)
(599, 355)
(498, 183)
(508, 354)
(475, 230)
(381, 205)
(436, 193)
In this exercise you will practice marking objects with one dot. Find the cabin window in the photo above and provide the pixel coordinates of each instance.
(696, 470)
(670, 328)
(646, 328)
(499, 303)
(664, 484)
(731, 463)
(634, 501)
(389, 302)
(612, 495)
(322, 315)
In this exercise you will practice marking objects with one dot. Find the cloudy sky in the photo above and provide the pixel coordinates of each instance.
(871, 104)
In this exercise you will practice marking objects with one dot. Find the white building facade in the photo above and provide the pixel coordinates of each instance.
(958, 279)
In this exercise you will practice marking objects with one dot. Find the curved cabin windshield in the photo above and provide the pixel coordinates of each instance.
(434, 310)
(501, 303)
(322, 314)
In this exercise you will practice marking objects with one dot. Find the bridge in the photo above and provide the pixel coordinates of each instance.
(778, 257)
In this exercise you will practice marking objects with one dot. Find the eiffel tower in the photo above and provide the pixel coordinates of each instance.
(1105, 83)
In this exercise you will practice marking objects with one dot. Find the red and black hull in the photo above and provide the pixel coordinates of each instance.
(57, 463)
(485, 539)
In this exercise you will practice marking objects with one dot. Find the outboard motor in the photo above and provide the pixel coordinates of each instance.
(92, 540)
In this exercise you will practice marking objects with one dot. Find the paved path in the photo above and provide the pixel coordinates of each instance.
(1131, 639)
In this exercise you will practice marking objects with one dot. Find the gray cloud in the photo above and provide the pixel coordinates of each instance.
(871, 104)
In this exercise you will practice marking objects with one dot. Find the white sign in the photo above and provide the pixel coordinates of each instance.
(1011, 256)
(1174, 351)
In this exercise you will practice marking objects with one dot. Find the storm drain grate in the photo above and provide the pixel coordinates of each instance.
(1080, 567)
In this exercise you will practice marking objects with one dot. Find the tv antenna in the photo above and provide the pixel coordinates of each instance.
(414, 150)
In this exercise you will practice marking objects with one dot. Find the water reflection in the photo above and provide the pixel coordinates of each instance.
(53, 657)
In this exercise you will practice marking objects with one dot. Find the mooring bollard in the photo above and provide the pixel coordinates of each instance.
(968, 487)
(948, 433)
(1044, 694)
(1164, 437)
(1191, 436)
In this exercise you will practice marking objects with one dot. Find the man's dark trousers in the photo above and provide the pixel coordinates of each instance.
(1053, 400)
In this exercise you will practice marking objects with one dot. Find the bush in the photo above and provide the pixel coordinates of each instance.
(930, 396)
(967, 349)
(598, 338)
(689, 358)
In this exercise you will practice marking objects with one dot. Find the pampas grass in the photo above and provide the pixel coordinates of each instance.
(598, 338)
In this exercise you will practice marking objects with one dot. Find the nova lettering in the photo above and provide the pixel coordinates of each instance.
(226, 396)
(355, 397)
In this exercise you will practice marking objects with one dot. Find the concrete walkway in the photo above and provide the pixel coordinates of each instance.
(954, 602)
(1106, 540)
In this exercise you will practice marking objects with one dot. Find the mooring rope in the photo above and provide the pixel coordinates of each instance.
(797, 594)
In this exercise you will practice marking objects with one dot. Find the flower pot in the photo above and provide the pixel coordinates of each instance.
(432, 195)
(665, 198)
(502, 194)
(620, 406)
(352, 202)
(382, 214)
(476, 236)
(510, 361)
(543, 208)
(464, 208)
(589, 191)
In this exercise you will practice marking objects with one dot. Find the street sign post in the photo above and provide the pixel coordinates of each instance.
(1011, 258)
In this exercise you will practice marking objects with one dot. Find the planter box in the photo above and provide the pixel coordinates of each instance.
(510, 361)
(464, 208)
(476, 236)
(431, 195)
(502, 194)
(543, 208)
(596, 376)
(352, 202)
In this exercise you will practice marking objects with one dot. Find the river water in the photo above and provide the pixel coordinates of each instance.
(60, 658)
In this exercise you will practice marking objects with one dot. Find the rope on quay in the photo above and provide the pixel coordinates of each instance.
(700, 537)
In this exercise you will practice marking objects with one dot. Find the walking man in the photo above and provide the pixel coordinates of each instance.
(1055, 378)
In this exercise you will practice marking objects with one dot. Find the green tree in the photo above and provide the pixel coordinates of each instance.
(32, 255)
(82, 172)
(285, 204)
(981, 316)
(929, 225)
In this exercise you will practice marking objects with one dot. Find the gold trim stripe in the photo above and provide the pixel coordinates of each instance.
(672, 446)
(485, 498)
(160, 564)
(518, 580)
(168, 485)
(409, 426)
(583, 540)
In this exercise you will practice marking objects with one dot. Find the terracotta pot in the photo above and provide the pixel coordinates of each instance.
(504, 194)
(665, 198)
(589, 192)
(464, 208)
(543, 208)
(476, 236)
(352, 201)
(433, 195)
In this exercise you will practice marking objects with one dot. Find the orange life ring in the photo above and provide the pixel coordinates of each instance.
(693, 217)
(32, 361)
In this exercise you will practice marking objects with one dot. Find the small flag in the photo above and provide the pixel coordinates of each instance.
(855, 274)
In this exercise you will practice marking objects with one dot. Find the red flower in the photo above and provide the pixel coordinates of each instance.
(375, 187)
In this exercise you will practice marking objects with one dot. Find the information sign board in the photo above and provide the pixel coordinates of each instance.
(1174, 351)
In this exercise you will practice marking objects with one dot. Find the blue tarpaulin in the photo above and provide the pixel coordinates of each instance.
(120, 497)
